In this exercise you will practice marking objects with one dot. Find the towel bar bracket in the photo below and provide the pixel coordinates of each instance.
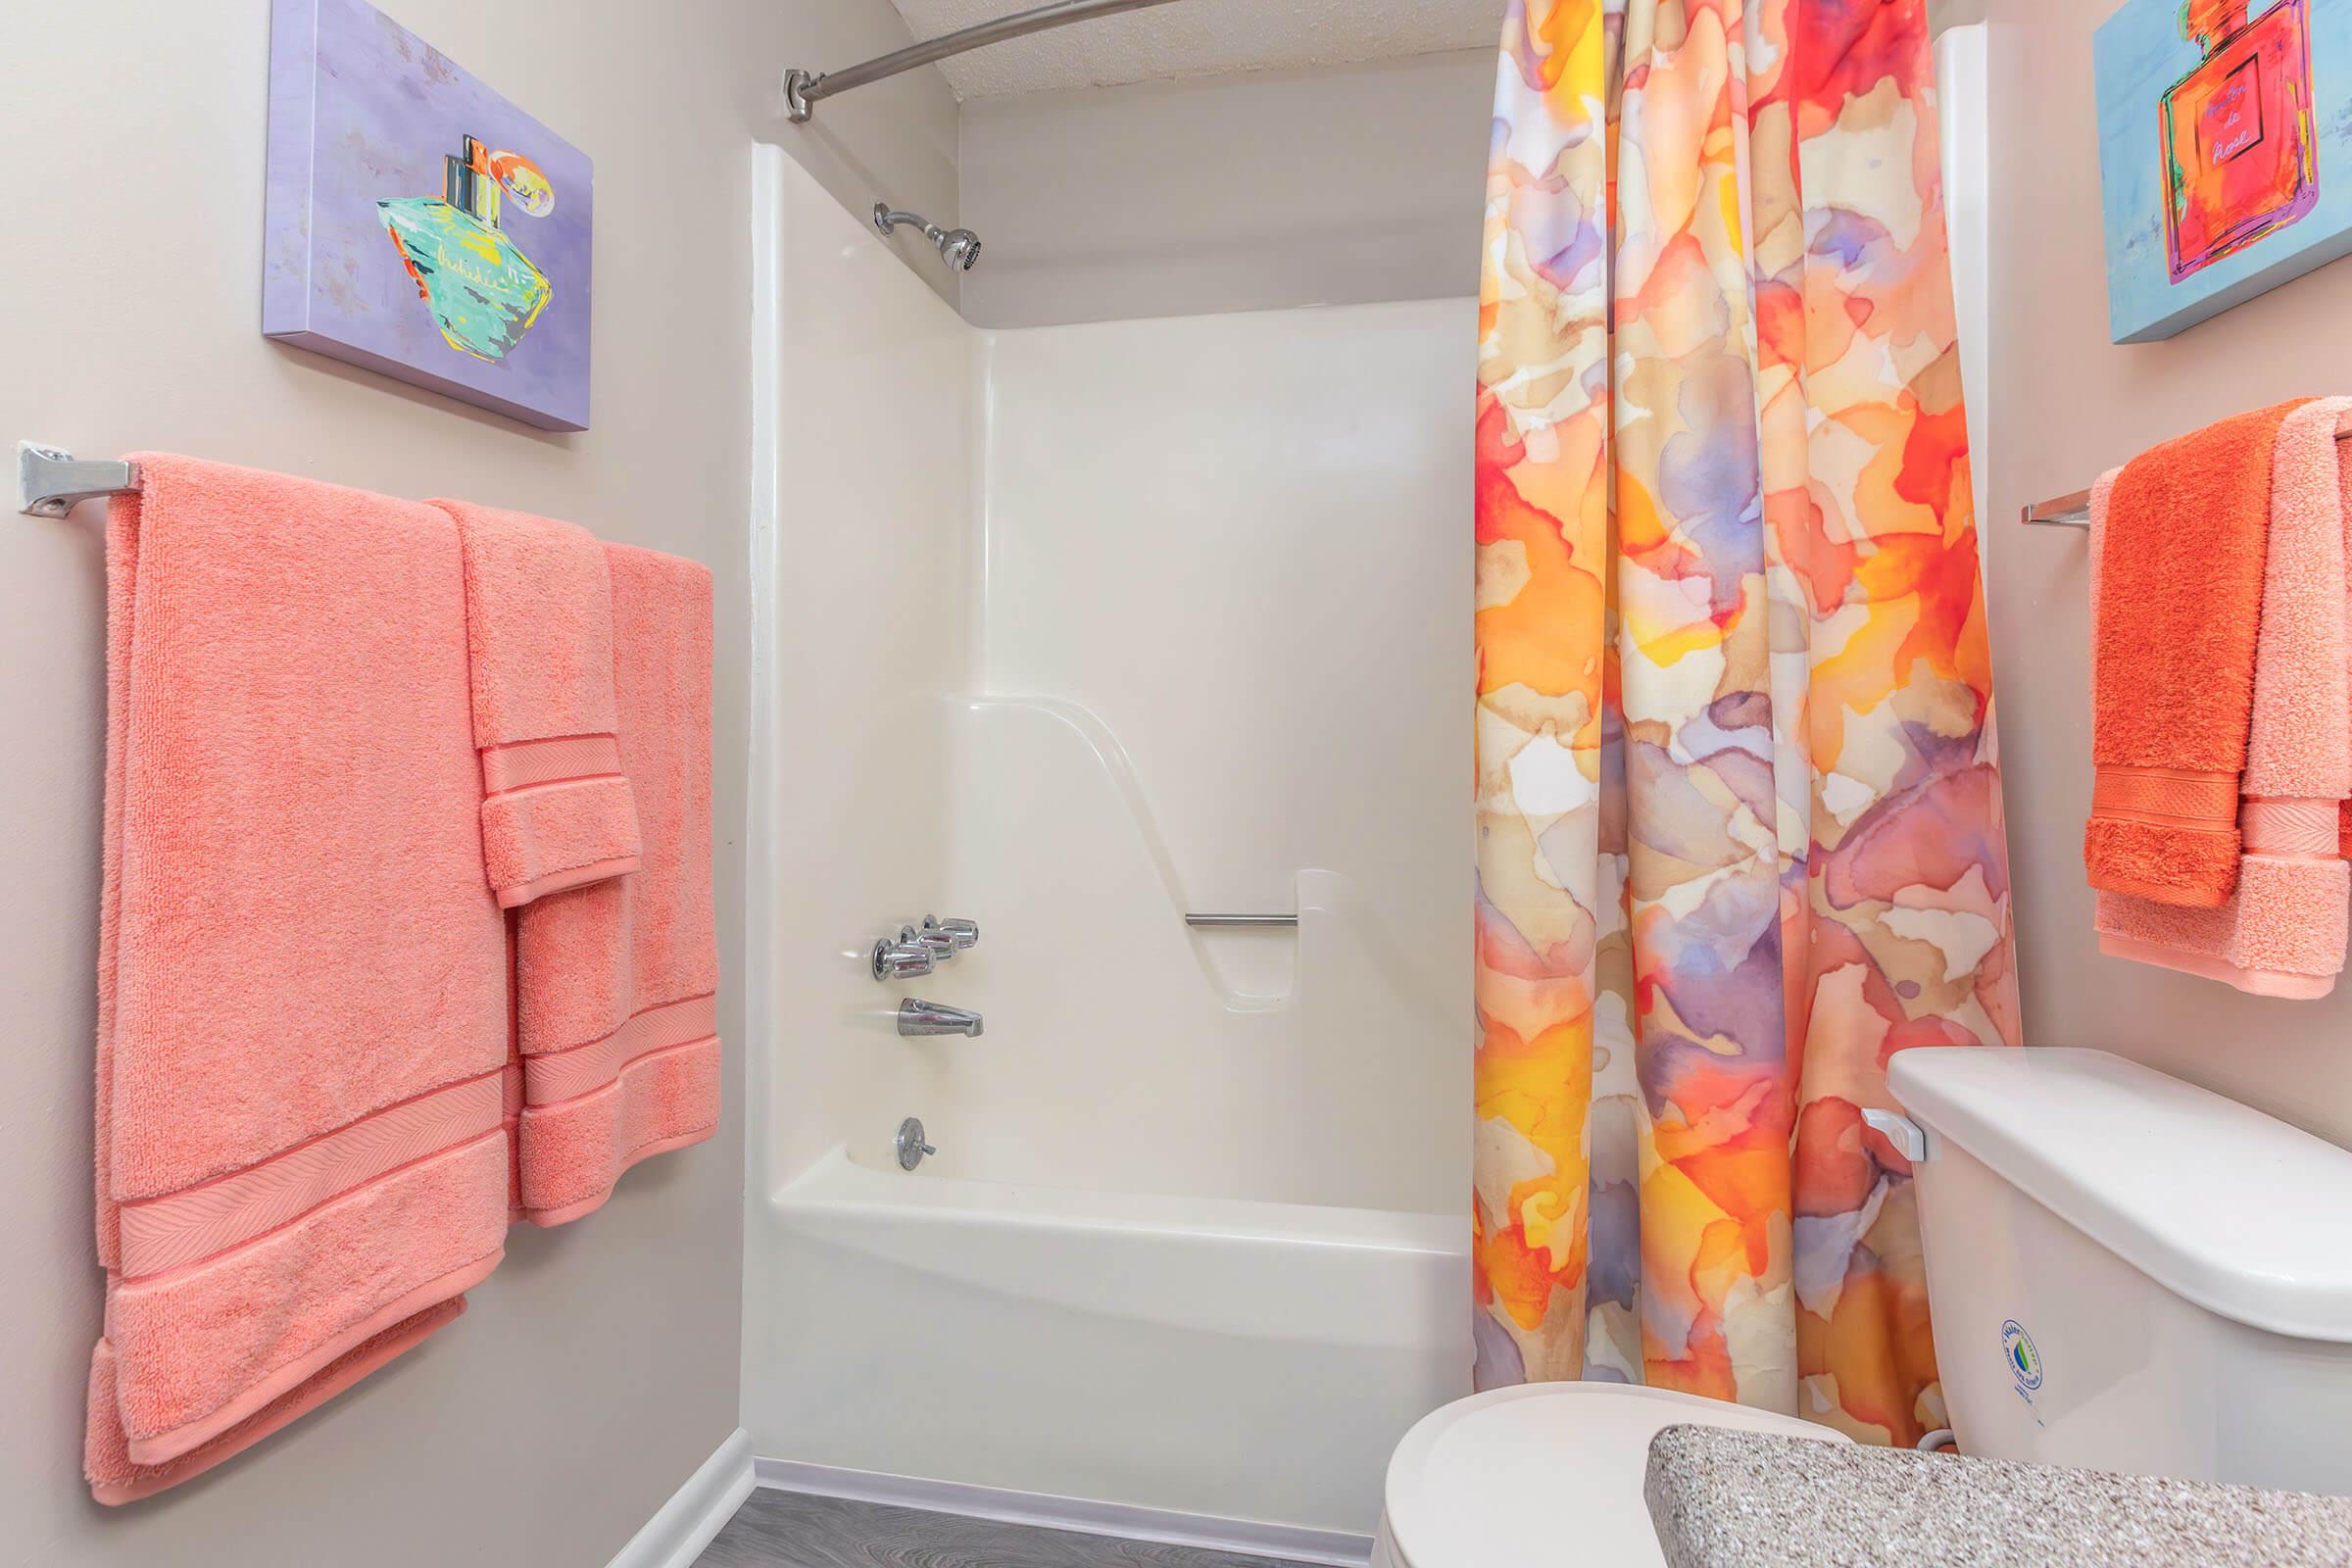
(49, 482)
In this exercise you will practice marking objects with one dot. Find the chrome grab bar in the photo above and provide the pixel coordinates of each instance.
(1198, 921)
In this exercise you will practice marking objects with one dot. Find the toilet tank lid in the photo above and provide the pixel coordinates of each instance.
(2221, 1204)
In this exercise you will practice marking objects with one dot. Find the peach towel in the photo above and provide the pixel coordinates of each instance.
(2282, 931)
(615, 983)
(556, 812)
(2182, 553)
(302, 1028)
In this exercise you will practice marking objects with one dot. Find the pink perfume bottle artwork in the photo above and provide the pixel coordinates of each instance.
(2241, 144)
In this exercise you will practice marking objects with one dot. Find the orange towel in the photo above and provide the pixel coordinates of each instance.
(616, 984)
(300, 1022)
(2174, 639)
(2282, 931)
(555, 811)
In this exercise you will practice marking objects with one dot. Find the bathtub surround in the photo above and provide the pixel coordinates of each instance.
(2282, 929)
(1739, 808)
(617, 983)
(296, 1152)
(2173, 676)
(557, 810)
(1173, 1149)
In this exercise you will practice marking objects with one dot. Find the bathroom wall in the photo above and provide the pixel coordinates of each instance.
(1222, 545)
(1251, 191)
(1256, 191)
(598, 1368)
(2066, 404)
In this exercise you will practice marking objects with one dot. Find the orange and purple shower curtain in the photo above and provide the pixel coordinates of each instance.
(1738, 813)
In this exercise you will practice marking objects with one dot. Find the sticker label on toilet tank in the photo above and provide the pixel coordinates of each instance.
(2025, 1363)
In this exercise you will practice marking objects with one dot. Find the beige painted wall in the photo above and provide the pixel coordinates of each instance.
(1358, 184)
(598, 1368)
(2066, 403)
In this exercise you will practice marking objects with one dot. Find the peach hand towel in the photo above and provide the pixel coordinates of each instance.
(2282, 931)
(301, 1021)
(556, 811)
(616, 984)
(2181, 556)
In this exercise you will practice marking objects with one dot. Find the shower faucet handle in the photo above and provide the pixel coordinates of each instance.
(957, 934)
(904, 958)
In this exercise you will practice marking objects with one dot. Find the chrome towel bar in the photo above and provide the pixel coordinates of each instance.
(49, 481)
(1239, 920)
(2073, 511)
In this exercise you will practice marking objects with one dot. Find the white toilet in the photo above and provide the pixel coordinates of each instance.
(2126, 1272)
(2129, 1273)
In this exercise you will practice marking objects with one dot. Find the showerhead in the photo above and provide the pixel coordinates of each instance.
(959, 248)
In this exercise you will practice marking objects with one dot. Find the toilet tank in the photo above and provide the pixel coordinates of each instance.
(2129, 1273)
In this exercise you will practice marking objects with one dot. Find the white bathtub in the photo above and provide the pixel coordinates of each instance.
(1231, 1359)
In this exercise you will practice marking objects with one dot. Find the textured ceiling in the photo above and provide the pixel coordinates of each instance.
(1200, 37)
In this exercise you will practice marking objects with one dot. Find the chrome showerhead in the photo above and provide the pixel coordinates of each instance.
(959, 248)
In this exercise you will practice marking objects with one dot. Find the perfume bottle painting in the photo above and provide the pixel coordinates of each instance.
(482, 290)
(2240, 141)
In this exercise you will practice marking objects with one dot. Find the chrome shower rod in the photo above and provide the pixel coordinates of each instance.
(803, 88)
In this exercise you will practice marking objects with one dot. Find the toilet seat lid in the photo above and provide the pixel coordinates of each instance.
(1545, 1474)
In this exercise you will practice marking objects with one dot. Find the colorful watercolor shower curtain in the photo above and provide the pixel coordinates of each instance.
(1740, 818)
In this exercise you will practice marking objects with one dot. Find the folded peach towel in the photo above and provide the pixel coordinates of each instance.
(2181, 556)
(302, 1025)
(615, 983)
(556, 812)
(2281, 931)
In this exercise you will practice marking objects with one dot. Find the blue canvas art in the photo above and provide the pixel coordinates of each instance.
(2224, 153)
(419, 224)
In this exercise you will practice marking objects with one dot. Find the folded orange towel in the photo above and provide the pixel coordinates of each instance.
(302, 1025)
(2282, 930)
(555, 811)
(616, 984)
(2182, 558)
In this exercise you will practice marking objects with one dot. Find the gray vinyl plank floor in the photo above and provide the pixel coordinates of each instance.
(793, 1530)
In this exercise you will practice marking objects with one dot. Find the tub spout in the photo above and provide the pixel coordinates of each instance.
(917, 1019)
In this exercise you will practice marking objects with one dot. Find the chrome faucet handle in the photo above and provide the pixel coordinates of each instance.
(902, 958)
(961, 933)
(939, 943)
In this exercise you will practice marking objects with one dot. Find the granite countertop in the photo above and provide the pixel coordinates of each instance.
(1739, 1499)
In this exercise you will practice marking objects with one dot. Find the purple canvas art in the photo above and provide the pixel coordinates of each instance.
(419, 224)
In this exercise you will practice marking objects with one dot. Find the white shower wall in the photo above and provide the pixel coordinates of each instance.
(1224, 556)
(1069, 630)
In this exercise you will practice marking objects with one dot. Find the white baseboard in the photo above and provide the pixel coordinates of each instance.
(696, 1511)
(1164, 1526)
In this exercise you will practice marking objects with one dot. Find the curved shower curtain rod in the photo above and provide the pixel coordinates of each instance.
(803, 88)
